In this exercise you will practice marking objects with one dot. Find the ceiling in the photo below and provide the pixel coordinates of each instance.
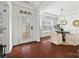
(3, 3)
(39, 4)
(67, 6)
(54, 7)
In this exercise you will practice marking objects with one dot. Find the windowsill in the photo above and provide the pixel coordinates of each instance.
(45, 31)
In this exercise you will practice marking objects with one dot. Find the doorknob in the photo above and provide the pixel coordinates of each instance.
(31, 27)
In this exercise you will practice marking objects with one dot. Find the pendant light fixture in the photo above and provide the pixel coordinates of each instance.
(63, 21)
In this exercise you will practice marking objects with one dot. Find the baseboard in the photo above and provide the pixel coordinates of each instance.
(37, 40)
(24, 43)
(45, 37)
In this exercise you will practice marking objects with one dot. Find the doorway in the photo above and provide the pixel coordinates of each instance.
(21, 24)
(25, 28)
(4, 29)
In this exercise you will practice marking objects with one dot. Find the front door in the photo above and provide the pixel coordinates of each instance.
(24, 27)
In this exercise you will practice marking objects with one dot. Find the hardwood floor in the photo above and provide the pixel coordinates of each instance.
(43, 49)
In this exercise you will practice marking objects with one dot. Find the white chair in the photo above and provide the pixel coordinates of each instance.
(72, 39)
(56, 38)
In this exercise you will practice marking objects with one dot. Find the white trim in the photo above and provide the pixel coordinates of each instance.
(10, 26)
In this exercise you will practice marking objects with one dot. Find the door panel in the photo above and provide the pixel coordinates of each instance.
(4, 28)
(21, 25)
(1, 28)
(25, 31)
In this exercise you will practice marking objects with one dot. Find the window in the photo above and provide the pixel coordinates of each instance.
(47, 25)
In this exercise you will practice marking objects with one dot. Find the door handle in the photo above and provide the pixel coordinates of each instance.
(31, 27)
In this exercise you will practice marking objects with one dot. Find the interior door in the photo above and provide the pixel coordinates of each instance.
(3, 25)
(1, 29)
(25, 28)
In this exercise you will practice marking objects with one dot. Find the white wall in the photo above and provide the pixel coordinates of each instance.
(36, 23)
(70, 18)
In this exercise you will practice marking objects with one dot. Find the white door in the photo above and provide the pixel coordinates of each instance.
(1, 28)
(3, 25)
(25, 28)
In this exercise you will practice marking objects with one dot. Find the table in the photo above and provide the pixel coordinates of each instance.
(2, 49)
(63, 34)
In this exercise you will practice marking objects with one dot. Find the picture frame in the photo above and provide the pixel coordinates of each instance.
(76, 23)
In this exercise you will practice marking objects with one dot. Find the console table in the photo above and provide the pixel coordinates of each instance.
(63, 34)
(2, 50)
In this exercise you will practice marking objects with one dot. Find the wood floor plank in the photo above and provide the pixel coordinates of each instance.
(43, 49)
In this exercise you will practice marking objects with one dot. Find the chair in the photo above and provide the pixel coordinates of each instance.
(56, 38)
(72, 39)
